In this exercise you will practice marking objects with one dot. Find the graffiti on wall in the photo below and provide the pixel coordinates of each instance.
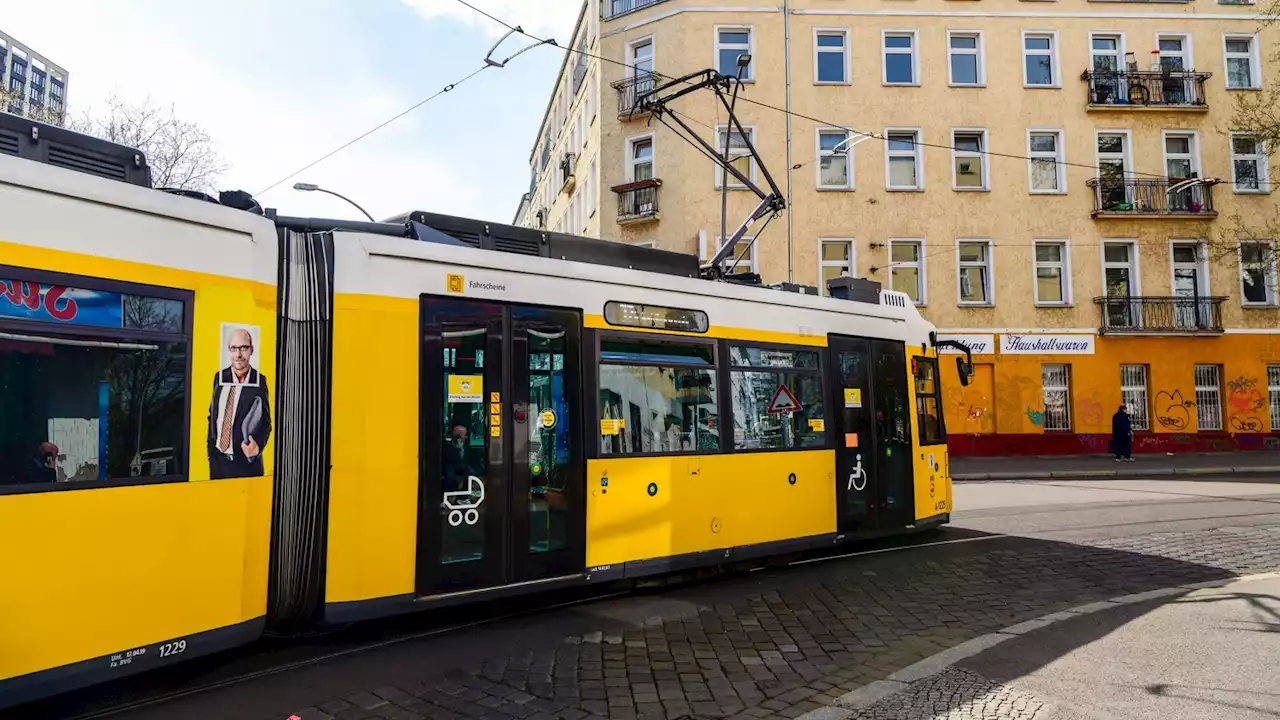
(1090, 411)
(1244, 400)
(1245, 424)
(977, 418)
(1035, 416)
(1173, 412)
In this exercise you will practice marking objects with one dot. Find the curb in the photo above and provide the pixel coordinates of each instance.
(847, 705)
(1125, 473)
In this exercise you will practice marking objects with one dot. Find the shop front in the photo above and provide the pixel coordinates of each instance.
(1050, 393)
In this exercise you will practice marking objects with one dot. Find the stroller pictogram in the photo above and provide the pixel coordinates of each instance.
(857, 474)
(463, 504)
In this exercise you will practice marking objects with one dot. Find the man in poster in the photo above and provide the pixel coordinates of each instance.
(239, 415)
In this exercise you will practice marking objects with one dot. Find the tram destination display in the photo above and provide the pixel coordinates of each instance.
(655, 317)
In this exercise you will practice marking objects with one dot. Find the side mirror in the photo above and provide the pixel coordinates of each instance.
(965, 370)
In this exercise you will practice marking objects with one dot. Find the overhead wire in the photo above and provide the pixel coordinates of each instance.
(793, 113)
(375, 128)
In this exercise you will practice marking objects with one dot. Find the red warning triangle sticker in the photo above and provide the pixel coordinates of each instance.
(783, 401)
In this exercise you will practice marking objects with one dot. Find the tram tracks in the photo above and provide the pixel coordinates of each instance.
(185, 681)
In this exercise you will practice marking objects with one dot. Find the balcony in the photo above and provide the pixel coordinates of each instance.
(567, 178)
(1160, 315)
(610, 9)
(1152, 198)
(637, 201)
(1155, 90)
(630, 91)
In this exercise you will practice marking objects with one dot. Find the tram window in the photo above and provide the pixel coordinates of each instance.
(657, 398)
(85, 396)
(765, 416)
(929, 401)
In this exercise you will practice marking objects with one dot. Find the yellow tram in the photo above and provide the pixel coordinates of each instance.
(216, 421)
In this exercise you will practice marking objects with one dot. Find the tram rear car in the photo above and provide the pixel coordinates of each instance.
(122, 548)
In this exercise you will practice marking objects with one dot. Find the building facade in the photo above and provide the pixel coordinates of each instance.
(31, 85)
(1055, 183)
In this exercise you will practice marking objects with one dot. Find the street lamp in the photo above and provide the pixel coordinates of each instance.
(310, 187)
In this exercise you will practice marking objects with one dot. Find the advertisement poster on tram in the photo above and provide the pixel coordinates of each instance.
(240, 413)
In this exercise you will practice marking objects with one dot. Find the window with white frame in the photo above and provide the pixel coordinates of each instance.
(1273, 395)
(974, 271)
(904, 159)
(1133, 393)
(1208, 397)
(1046, 168)
(1181, 159)
(1039, 60)
(836, 258)
(1056, 383)
(742, 260)
(1053, 273)
(900, 64)
(1258, 273)
(964, 50)
(1249, 164)
(739, 154)
(835, 155)
(1241, 52)
(831, 57)
(640, 158)
(969, 159)
(906, 268)
(732, 42)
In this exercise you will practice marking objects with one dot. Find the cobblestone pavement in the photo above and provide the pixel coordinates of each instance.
(778, 644)
(955, 694)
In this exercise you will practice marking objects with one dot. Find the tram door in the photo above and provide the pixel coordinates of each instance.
(874, 473)
(501, 494)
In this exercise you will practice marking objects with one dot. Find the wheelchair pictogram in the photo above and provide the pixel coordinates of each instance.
(464, 505)
(856, 475)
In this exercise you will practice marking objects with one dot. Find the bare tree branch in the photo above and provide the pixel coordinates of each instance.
(1250, 239)
(181, 154)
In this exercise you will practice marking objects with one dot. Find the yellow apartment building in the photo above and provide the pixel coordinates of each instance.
(1054, 182)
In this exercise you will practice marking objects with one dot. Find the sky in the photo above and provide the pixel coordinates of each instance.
(279, 83)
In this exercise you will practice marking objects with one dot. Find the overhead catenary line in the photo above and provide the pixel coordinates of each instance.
(802, 116)
(376, 128)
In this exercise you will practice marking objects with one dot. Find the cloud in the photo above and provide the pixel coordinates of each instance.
(544, 18)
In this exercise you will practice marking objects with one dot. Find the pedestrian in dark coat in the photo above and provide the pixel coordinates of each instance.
(1122, 435)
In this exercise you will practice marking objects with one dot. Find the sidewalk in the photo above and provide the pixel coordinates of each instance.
(1181, 653)
(1094, 466)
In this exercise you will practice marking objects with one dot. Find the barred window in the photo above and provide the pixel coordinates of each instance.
(1133, 393)
(1273, 389)
(1208, 397)
(1056, 379)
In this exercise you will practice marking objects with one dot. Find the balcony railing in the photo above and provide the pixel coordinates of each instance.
(1161, 315)
(1175, 89)
(630, 91)
(614, 8)
(637, 201)
(1151, 197)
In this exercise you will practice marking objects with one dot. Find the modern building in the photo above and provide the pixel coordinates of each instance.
(1054, 182)
(30, 84)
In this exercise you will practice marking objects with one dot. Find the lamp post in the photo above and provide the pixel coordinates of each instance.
(309, 187)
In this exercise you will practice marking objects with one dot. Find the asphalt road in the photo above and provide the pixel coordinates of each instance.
(781, 642)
